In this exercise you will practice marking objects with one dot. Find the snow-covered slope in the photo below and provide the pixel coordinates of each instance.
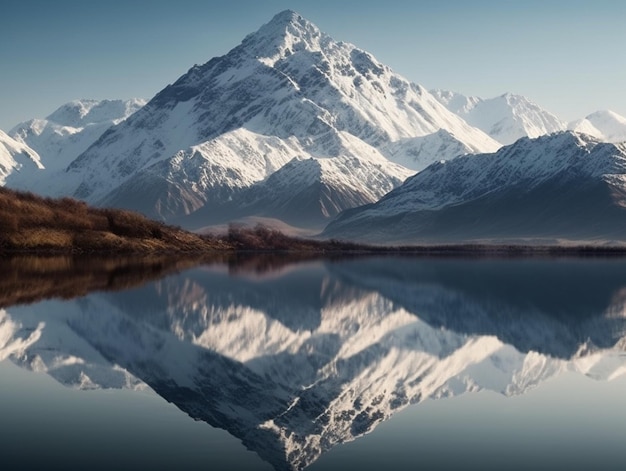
(417, 153)
(506, 118)
(297, 361)
(288, 91)
(605, 125)
(306, 192)
(15, 157)
(331, 185)
(564, 185)
(64, 135)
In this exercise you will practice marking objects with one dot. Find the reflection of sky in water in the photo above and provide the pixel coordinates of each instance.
(45, 423)
(570, 422)
(316, 354)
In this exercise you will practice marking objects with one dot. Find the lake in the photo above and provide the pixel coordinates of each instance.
(266, 362)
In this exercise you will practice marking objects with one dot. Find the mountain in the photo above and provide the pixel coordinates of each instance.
(298, 360)
(288, 91)
(561, 186)
(604, 125)
(505, 118)
(64, 135)
(417, 153)
(16, 156)
(309, 192)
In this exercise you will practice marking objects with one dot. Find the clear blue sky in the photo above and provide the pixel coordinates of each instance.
(567, 56)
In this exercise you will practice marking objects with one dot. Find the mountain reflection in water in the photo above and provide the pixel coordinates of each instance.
(294, 358)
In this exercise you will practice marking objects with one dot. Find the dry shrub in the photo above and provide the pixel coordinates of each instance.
(129, 224)
(9, 222)
(43, 238)
(31, 223)
(259, 238)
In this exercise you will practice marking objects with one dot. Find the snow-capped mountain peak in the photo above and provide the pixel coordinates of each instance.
(605, 125)
(288, 90)
(506, 118)
(81, 113)
(285, 34)
(64, 135)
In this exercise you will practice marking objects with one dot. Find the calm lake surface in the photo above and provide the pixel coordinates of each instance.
(363, 363)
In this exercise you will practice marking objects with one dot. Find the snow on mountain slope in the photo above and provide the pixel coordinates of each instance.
(505, 118)
(536, 187)
(417, 153)
(309, 192)
(604, 125)
(64, 135)
(287, 86)
(208, 174)
(16, 156)
(306, 192)
(83, 113)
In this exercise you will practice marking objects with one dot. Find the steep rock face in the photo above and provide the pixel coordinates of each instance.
(287, 91)
(566, 185)
(63, 136)
(505, 118)
(15, 157)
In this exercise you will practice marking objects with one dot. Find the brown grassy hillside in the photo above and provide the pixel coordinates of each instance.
(30, 223)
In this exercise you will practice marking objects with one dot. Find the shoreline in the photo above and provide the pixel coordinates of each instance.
(330, 248)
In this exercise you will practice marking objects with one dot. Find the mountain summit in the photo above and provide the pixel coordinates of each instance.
(288, 91)
(505, 118)
(64, 135)
(605, 125)
(287, 31)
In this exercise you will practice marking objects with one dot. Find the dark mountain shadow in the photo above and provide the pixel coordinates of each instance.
(552, 306)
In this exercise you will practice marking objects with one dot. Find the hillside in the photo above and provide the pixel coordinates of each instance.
(30, 223)
(34, 224)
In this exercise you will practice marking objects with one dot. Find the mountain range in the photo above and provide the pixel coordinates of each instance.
(289, 94)
(62, 136)
(564, 186)
(294, 126)
(505, 118)
(510, 117)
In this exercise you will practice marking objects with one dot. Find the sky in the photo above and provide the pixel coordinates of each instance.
(568, 56)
